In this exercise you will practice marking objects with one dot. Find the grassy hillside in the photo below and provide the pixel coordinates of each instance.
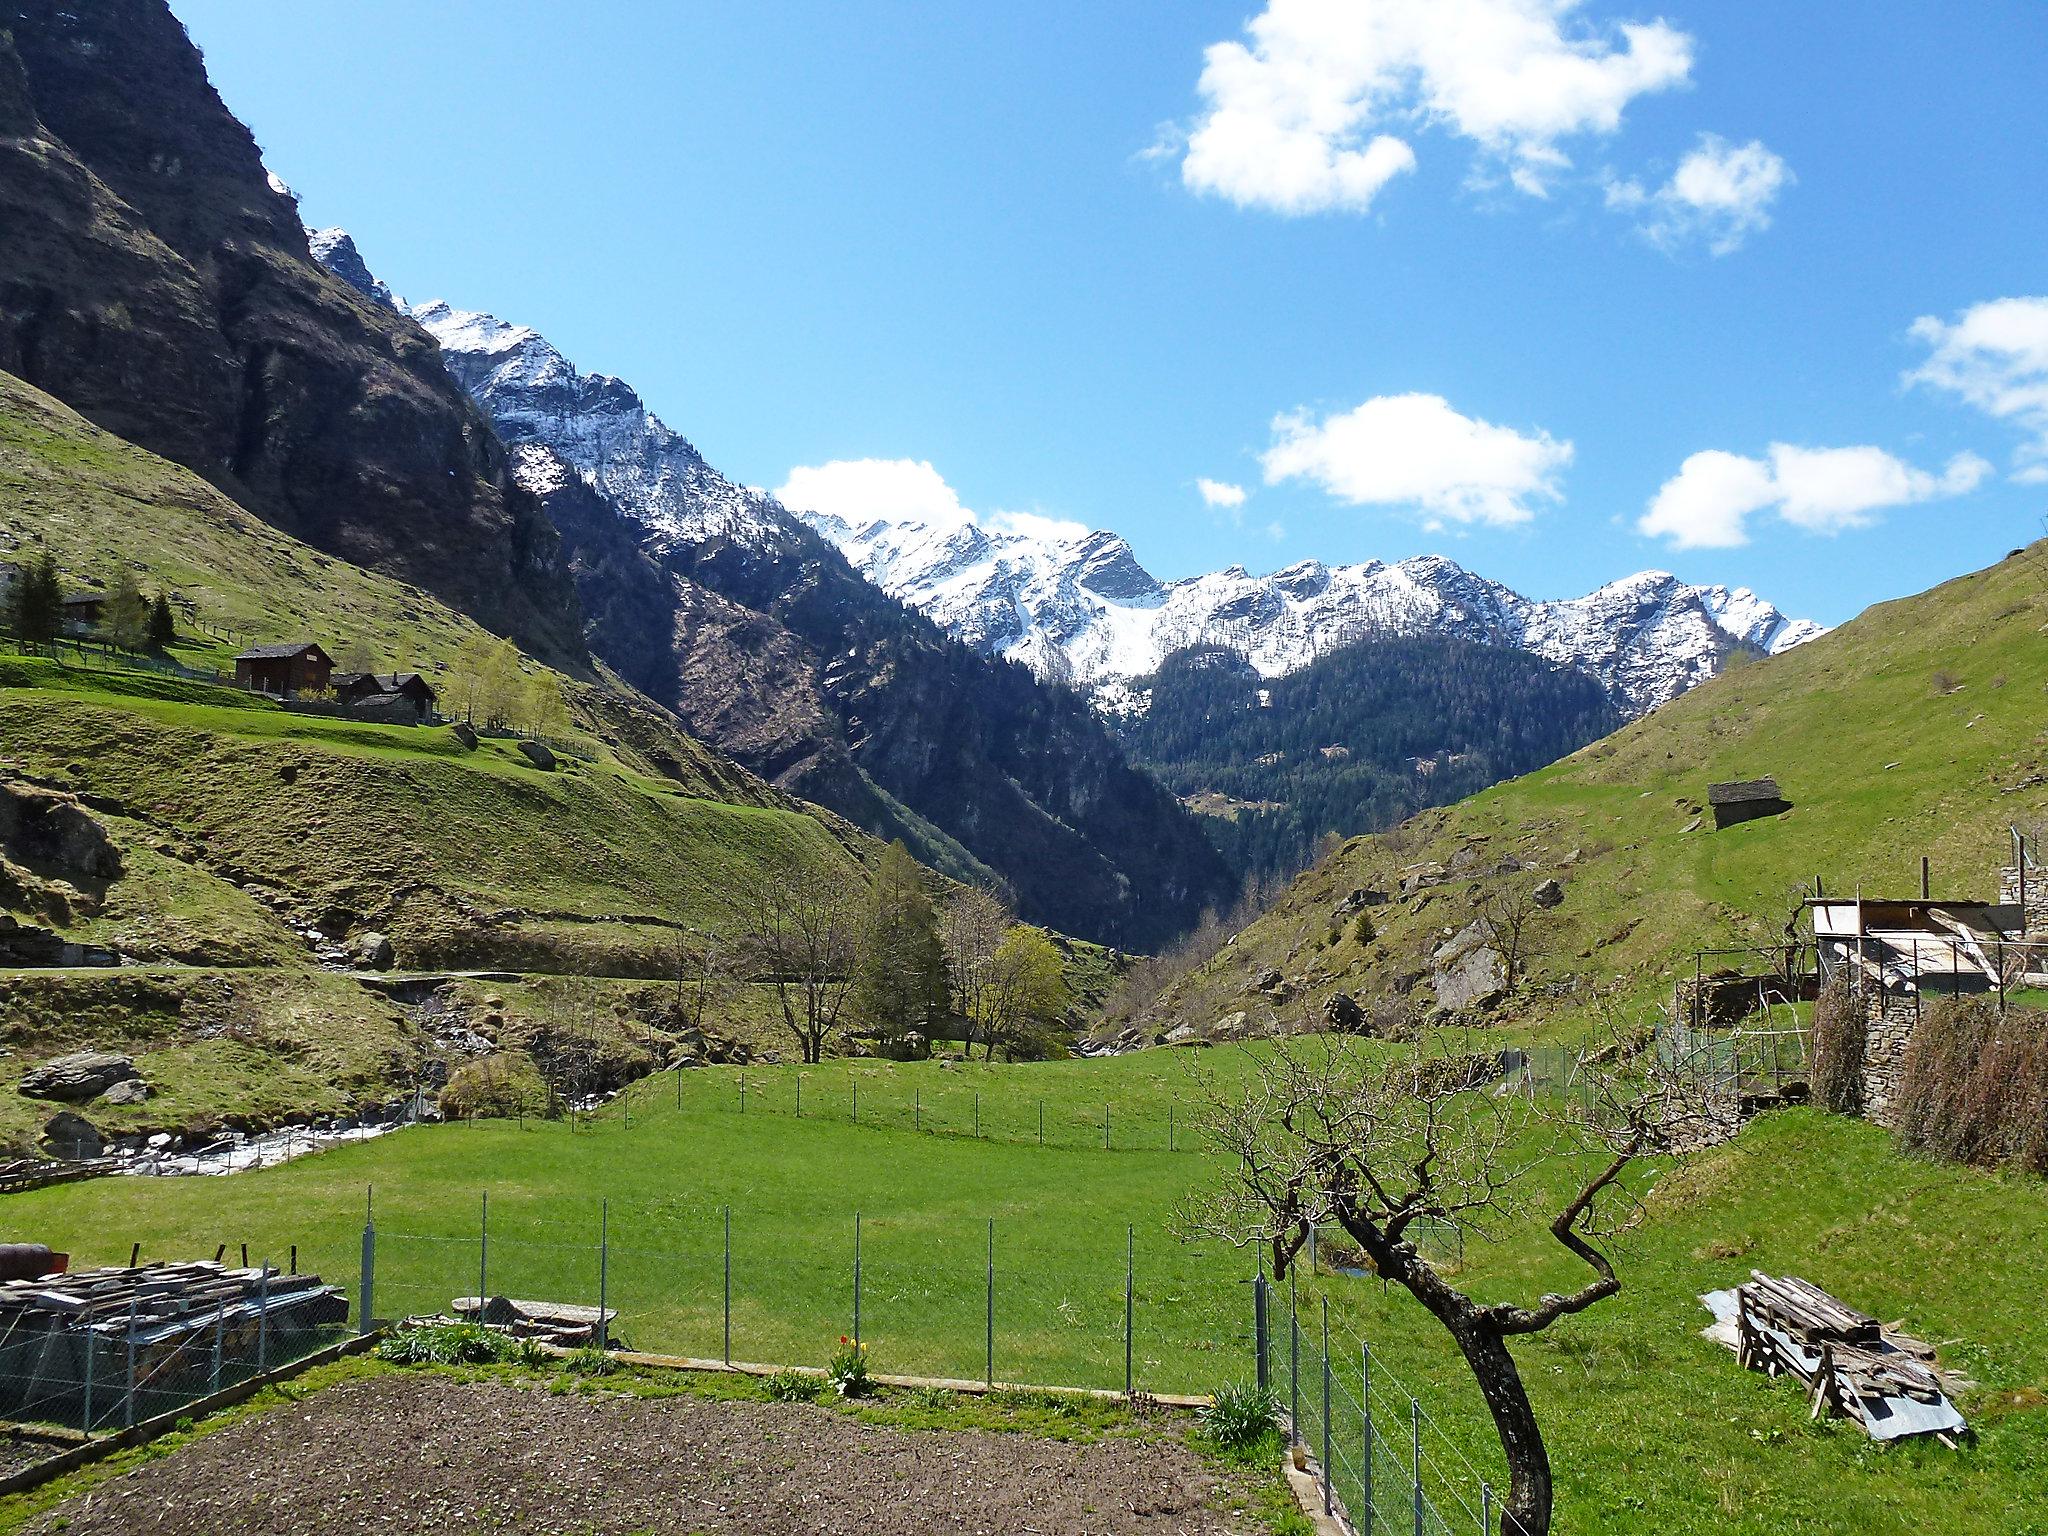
(1920, 728)
(1652, 1428)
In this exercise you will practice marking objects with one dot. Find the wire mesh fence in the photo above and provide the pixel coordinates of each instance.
(95, 1373)
(1110, 1311)
(1383, 1463)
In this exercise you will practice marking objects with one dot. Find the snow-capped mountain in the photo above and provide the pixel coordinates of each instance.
(1084, 609)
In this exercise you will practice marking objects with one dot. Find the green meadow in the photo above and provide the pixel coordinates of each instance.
(1651, 1427)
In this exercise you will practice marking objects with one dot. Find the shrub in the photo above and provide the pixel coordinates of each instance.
(1362, 930)
(498, 1087)
(788, 1386)
(1973, 1085)
(1242, 1415)
(848, 1369)
(447, 1344)
(590, 1361)
(1838, 1045)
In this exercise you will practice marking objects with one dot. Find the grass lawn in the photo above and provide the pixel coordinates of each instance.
(1652, 1429)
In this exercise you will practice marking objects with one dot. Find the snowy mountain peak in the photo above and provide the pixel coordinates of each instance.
(1086, 610)
(335, 249)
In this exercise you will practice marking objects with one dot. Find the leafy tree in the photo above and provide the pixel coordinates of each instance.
(900, 968)
(124, 612)
(35, 603)
(1028, 991)
(545, 711)
(163, 625)
(971, 929)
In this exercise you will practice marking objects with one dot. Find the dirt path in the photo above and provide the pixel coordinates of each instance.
(404, 1454)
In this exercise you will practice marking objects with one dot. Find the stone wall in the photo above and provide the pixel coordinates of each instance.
(2035, 897)
(1888, 1020)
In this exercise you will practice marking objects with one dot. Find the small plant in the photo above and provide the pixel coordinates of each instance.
(848, 1369)
(931, 1399)
(531, 1354)
(590, 1361)
(791, 1386)
(1242, 1415)
(444, 1343)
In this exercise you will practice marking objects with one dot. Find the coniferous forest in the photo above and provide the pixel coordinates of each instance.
(1357, 740)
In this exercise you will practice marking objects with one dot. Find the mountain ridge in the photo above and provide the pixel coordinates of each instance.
(1084, 609)
(761, 636)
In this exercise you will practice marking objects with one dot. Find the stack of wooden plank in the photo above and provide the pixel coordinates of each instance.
(1848, 1362)
(178, 1327)
(552, 1322)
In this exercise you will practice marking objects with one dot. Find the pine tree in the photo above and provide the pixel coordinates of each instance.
(35, 607)
(899, 982)
(163, 627)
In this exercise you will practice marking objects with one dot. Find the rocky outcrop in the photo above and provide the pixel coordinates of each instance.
(1470, 974)
(79, 1077)
(155, 278)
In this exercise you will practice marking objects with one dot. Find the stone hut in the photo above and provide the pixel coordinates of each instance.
(1742, 800)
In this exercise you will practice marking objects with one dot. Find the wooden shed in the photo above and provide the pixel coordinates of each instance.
(295, 667)
(1743, 800)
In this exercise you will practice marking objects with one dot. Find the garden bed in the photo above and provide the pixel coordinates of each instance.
(411, 1451)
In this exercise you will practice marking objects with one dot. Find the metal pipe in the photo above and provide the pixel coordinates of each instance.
(989, 1334)
(1365, 1408)
(856, 1278)
(1130, 1299)
(1415, 1426)
(728, 1285)
(1328, 1504)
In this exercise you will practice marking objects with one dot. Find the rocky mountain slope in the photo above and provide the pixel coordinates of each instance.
(1084, 609)
(1914, 729)
(718, 603)
(156, 278)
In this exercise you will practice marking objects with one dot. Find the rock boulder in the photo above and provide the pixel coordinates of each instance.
(77, 1078)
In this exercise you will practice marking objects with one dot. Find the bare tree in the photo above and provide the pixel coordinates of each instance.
(707, 974)
(1324, 1134)
(1511, 915)
(971, 930)
(800, 927)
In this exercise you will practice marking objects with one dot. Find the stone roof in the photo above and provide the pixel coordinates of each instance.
(278, 652)
(1741, 791)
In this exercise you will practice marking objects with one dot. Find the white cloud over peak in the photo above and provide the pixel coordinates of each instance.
(1995, 357)
(1709, 502)
(1307, 113)
(1221, 493)
(864, 491)
(1415, 450)
(1721, 194)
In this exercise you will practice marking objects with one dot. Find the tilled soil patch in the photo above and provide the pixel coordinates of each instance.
(423, 1452)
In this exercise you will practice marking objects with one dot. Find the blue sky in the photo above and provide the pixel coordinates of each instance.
(1559, 290)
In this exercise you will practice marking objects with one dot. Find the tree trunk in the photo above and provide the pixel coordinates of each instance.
(1526, 1509)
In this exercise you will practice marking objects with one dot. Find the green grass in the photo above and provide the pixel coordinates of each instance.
(1652, 1429)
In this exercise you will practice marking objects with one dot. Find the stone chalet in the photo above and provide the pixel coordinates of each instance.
(295, 667)
(402, 697)
(1745, 800)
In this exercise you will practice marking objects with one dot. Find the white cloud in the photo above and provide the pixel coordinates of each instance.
(1708, 503)
(1721, 193)
(1995, 357)
(864, 491)
(1307, 113)
(1221, 493)
(1414, 450)
(1036, 525)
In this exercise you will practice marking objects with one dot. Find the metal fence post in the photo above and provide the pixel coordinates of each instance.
(856, 1279)
(1105, 1128)
(128, 1408)
(854, 1084)
(1328, 1506)
(220, 1328)
(1259, 1341)
(743, 1093)
(917, 1109)
(1415, 1427)
(1293, 1365)
(1130, 1299)
(483, 1256)
(89, 1341)
(1486, 1509)
(263, 1317)
(977, 1114)
(728, 1285)
(989, 1333)
(799, 1095)
(604, 1277)
(364, 1296)
(1365, 1408)
(1169, 1125)
(1041, 1122)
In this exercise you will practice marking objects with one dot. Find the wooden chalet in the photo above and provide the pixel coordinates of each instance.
(400, 696)
(295, 667)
